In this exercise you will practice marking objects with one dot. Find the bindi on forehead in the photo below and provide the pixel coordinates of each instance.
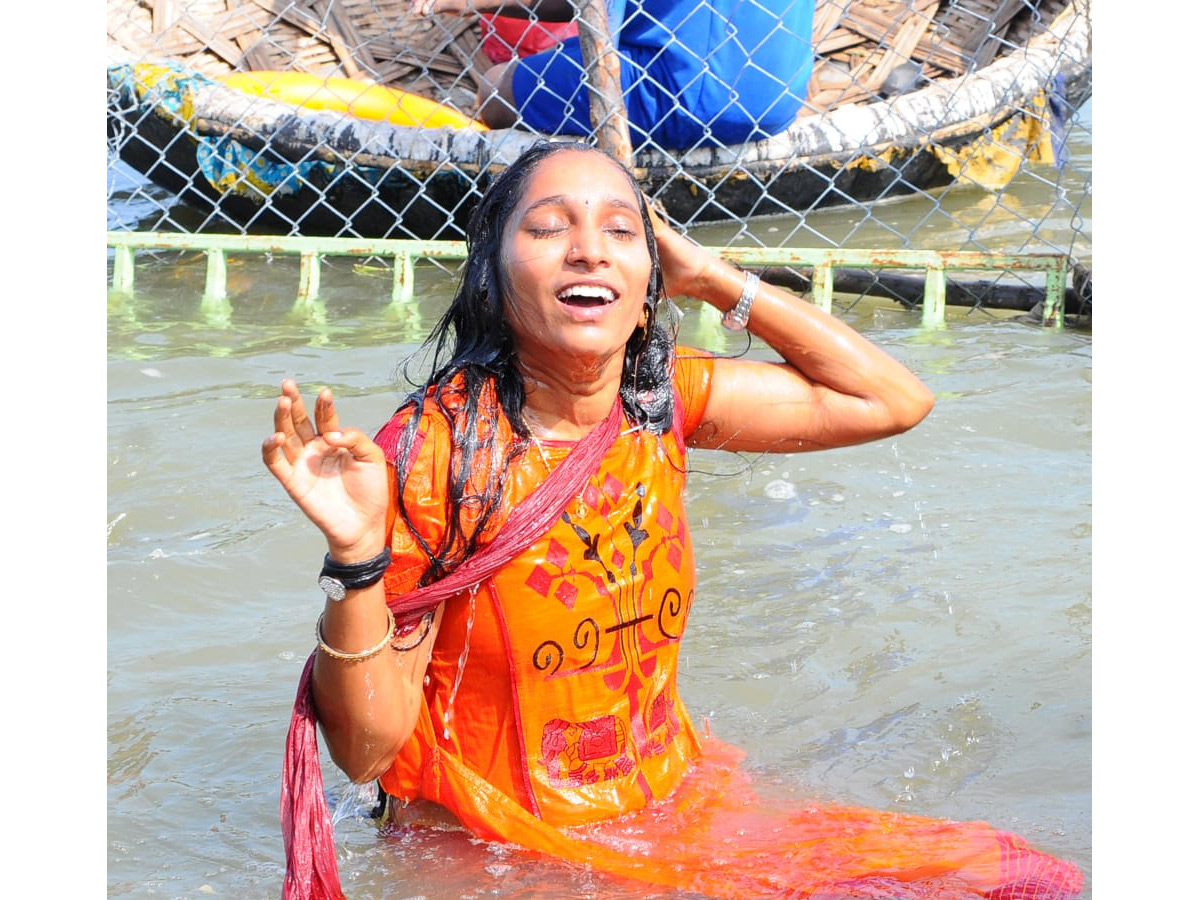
(589, 184)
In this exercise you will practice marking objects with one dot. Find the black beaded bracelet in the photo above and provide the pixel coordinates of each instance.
(352, 576)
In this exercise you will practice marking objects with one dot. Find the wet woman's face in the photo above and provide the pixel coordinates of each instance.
(578, 263)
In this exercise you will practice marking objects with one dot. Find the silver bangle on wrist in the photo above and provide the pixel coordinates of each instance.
(737, 318)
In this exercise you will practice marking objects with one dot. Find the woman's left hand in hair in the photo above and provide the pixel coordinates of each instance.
(833, 388)
(684, 262)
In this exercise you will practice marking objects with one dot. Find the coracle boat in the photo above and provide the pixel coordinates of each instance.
(212, 101)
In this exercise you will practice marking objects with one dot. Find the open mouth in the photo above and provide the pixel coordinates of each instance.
(587, 295)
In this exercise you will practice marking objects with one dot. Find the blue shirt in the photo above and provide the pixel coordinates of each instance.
(720, 71)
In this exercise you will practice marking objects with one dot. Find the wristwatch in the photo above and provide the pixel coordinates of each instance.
(737, 318)
(338, 578)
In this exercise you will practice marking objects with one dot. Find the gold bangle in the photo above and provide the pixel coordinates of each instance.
(364, 654)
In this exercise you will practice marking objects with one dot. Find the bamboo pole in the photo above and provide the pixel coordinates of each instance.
(610, 122)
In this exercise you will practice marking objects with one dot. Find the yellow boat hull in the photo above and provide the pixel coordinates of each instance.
(373, 102)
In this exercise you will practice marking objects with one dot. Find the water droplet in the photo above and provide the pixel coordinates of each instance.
(780, 490)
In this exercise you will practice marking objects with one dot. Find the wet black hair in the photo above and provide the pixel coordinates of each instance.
(473, 345)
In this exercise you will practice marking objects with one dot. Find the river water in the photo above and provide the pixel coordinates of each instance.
(905, 625)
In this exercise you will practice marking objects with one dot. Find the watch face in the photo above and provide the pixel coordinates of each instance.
(333, 588)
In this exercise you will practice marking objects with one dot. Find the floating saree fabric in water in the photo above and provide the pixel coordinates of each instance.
(716, 835)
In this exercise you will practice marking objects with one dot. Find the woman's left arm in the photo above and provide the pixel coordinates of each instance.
(834, 387)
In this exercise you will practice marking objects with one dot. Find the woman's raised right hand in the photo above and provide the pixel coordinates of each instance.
(337, 476)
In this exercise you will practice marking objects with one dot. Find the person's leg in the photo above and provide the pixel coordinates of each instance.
(497, 108)
(544, 92)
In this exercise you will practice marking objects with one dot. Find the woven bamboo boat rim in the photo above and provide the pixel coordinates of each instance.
(859, 43)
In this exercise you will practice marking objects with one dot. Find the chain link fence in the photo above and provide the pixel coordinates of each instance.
(924, 124)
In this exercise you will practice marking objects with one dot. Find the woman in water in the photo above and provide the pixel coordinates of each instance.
(510, 571)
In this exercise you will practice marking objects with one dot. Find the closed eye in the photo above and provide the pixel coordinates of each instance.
(539, 231)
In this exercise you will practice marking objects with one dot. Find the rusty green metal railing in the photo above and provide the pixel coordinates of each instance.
(404, 252)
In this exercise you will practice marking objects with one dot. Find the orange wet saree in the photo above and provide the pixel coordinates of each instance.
(551, 718)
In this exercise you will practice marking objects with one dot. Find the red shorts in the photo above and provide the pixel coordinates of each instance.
(507, 37)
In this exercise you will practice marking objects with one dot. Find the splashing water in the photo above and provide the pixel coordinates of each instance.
(906, 478)
(462, 663)
(355, 800)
